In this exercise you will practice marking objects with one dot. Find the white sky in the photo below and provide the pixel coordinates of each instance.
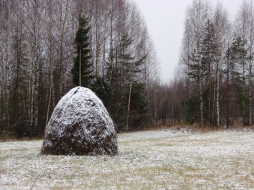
(165, 24)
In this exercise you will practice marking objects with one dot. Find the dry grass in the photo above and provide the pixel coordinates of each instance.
(164, 159)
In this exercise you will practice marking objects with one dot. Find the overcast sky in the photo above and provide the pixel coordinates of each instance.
(165, 24)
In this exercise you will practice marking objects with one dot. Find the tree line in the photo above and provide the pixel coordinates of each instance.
(213, 83)
(40, 50)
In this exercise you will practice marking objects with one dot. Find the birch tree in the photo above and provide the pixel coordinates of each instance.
(244, 28)
(37, 51)
(198, 14)
(221, 25)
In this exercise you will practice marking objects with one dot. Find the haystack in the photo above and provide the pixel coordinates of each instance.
(80, 125)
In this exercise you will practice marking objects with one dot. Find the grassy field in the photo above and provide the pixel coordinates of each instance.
(162, 159)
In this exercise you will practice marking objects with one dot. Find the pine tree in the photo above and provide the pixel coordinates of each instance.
(81, 71)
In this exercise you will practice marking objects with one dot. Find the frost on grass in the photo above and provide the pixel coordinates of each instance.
(80, 125)
(163, 159)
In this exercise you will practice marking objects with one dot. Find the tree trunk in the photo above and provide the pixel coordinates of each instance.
(8, 71)
(218, 95)
(250, 91)
(80, 67)
(227, 86)
(200, 71)
(49, 99)
(128, 109)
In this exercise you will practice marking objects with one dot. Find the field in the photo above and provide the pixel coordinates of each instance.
(162, 159)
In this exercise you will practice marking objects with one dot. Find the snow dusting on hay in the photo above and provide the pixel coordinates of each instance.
(165, 159)
(80, 125)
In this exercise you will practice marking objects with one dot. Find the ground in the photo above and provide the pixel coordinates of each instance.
(162, 159)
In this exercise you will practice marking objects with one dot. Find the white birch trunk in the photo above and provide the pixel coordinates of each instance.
(250, 93)
(8, 71)
(200, 88)
(251, 61)
(218, 95)
(218, 82)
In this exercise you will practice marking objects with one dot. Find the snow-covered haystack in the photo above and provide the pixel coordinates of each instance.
(80, 125)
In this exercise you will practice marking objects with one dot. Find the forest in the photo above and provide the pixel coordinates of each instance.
(42, 45)
(39, 48)
(213, 86)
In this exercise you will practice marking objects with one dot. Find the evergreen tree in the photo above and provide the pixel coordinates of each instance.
(196, 73)
(201, 72)
(103, 90)
(209, 51)
(237, 61)
(82, 76)
(129, 104)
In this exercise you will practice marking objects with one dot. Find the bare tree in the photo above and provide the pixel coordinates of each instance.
(244, 28)
(36, 55)
(197, 16)
(221, 25)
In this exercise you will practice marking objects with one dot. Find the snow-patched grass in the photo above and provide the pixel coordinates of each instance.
(165, 159)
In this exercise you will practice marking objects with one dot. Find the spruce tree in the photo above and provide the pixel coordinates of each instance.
(82, 76)
(238, 59)
(209, 52)
(121, 88)
(103, 90)
(200, 72)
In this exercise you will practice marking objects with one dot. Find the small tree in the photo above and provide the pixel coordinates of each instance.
(81, 71)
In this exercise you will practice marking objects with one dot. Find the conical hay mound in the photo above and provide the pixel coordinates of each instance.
(80, 125)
